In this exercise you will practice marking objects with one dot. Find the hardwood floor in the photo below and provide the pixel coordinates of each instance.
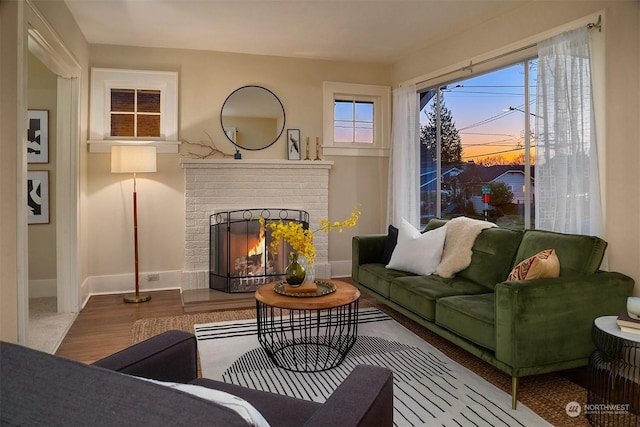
(104, 325)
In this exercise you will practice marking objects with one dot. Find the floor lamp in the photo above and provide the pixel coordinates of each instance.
(134, 159)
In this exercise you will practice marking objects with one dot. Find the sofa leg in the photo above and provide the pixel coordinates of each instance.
(514, 392)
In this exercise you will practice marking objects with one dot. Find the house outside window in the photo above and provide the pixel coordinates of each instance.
(356, 119)
(477, 147)
(133, 107)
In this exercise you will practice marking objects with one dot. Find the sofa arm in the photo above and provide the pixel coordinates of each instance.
(545, 321)
(366, 249)
(365, 398)
(170, 356)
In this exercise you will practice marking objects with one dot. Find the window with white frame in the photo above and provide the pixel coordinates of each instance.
(356, 119)
(133, 107)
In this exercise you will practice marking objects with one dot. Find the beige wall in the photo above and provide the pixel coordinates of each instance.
(621, 28)
(13, 69)
(9, 14)
(42, 89)
(206, 79)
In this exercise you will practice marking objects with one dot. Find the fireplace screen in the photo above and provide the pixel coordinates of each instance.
(240, 256)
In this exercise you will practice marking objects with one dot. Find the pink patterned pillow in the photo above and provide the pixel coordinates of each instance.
(543, 264)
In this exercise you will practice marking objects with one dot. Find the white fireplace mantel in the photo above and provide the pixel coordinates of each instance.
(223, 184)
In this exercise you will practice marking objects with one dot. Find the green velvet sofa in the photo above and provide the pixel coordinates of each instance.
(520, 327)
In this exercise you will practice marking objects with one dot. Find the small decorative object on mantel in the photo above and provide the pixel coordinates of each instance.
(293, 144)
(237, 155)
(307, 158)
(211, 147)
(317, 148)
(300, 238)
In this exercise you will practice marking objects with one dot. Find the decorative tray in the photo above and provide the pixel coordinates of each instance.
(324, 288)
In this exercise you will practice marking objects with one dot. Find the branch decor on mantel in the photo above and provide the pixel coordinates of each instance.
(213, 151)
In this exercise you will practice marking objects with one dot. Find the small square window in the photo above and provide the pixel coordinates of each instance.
(356, 119)
(133, 107)
(353, 122)
(135, 113)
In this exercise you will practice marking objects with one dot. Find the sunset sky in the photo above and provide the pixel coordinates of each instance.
(480, 110)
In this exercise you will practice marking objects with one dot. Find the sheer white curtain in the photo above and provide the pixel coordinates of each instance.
(403, 200)
(567, 188)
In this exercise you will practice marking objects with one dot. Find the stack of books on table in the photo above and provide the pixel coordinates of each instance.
(628, 323)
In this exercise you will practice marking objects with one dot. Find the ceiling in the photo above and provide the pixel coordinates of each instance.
(345, 30)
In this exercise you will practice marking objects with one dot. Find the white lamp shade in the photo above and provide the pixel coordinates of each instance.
(133, 158)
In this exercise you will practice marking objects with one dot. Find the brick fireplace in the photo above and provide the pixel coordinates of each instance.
(216, 185)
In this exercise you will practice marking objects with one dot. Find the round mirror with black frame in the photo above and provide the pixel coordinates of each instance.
(252, 117)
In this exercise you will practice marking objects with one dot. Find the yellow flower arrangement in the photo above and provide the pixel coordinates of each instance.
(301, 239)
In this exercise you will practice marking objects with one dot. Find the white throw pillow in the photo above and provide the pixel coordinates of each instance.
(416, 252)
(235, 403)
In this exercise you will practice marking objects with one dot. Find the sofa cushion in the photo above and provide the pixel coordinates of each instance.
(461, 236)
(378, 278)
(493, 254)
(435, 223)
(543, 264)
(389, 244)
(420, 293)
(578, 254)
(470, 316)
(417, 252)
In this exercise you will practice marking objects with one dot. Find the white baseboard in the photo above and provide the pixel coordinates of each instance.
(183, 280)
(43, 288)
(124, 283)
(85, 292)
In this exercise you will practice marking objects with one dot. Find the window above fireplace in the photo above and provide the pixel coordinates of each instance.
(133, 107)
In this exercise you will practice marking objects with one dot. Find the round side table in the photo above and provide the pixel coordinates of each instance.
(307, 334)
(614, 376)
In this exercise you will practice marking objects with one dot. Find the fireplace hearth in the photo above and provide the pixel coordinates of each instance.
(240, 255)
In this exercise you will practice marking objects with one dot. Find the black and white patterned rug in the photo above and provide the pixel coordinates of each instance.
(429, 388)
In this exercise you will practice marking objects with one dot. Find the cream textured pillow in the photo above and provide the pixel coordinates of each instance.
(416, 252)
(543, 264)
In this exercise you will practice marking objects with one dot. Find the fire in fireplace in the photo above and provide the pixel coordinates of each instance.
(240, 255)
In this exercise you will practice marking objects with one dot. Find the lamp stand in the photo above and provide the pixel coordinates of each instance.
(136, 297)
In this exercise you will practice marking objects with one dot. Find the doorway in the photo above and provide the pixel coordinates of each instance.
(47, 56)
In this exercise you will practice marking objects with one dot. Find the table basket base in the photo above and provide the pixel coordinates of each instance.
(307, 340)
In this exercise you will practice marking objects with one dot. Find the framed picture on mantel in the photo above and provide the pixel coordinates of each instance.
(293, 144)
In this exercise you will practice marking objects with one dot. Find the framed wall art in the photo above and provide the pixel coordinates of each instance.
(38, 136)
(38, 197)
(293, 144)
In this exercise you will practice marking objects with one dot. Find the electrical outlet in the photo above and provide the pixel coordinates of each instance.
(153, 277)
